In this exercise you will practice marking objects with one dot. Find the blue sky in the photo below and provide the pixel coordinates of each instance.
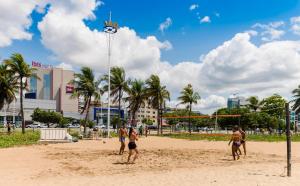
(189, 38)
(221, 47)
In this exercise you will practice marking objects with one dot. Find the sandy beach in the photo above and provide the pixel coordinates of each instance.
(163, 161)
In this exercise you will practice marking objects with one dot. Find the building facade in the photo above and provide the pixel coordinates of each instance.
(51, 91)
(146, 111)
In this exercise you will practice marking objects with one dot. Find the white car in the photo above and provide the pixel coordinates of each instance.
(33, 126)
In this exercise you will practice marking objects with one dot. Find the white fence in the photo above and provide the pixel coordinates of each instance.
(55, 134)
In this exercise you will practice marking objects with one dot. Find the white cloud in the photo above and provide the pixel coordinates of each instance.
(193, 7)
(205, 19)
(252, 32)
(15, 20)
(295, 22)
(165, 25)
(237, 65)
(65, 66)
(205, 105)
(271, 31)
(82, 46)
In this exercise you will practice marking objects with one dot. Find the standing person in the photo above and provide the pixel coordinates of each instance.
(131, 145)
(146, 131)
(243, 141)
(8, 127)
(236, 139)
(122, 136)
(141, 130)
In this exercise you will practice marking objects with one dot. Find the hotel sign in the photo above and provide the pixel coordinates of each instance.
(69, 88)
(40, 65)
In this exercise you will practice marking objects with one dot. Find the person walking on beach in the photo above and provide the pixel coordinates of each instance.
(236, 139)
(146, 131)
(243, 141)
(132, 146)
(122, 136)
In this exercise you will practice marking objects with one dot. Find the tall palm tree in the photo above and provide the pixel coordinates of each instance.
(21, 71)
(296, 100)
(157, 95)
(188, 96)
(87, 87)
(254, 103)
(136, 97)
(9, 86)
(118, 85)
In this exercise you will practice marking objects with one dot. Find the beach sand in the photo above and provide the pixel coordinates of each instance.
(162, 161)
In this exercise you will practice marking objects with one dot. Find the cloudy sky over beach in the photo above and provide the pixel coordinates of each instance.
(249, 47)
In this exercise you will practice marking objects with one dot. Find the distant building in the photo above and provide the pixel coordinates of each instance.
(236, 102)
(51, 92)
(145, 111)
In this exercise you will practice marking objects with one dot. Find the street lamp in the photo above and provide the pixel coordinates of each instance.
(109, 28)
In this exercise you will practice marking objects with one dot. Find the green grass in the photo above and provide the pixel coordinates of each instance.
(226, 137)
(19, 139)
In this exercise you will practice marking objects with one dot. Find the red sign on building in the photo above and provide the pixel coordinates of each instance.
(69, 88)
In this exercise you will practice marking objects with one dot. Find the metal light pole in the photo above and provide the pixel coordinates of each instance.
(109, 28)
(216, 122)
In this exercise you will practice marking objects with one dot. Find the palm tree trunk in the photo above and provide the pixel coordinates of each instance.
(158, 121)
(190, 119)
(21, 106)
(161, 112)
(87, 114)
(133, 119)
(118, 126)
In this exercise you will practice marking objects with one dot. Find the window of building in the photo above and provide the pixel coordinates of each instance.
(47, 84)
(33, 85)
(153, 116)
(153, 112)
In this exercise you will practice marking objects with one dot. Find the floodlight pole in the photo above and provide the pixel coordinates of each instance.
(109, 28)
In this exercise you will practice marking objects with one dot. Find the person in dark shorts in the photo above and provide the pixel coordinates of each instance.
(236, 139)
(122, 136)
(243, 141)
(132, 145)
(8, 127)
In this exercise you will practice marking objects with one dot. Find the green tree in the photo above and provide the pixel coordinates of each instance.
(147, 121)
(87, 87)
(274, 106)
(118, 84)
(9, 86)
(254, 103)
(188, 96)
(157, 95)
(136, 97)
(22, 71)
(296, 99)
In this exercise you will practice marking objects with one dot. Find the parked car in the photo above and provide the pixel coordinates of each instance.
(34, 125)
(43, 126)
(73, 126)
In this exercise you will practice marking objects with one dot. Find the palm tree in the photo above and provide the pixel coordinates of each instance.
(254, 103)
(296, 100)
(87, 87)
(17, 66)
(118, 85)
(188, 96)
(9, 86)
(157, 95)
(136, 97)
